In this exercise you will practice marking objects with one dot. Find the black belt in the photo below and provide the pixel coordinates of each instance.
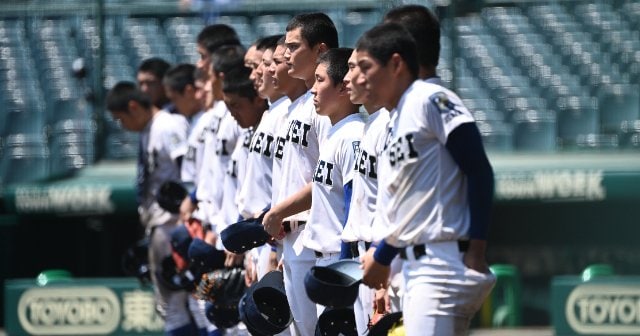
(287, 225)
(419, 250)
(355, 252)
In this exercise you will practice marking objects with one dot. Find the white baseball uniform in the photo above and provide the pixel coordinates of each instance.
(204, 192)
(363, 203)
(306, 131)
(164, 141)
(192, 161)
(427, 204)
(333, 171)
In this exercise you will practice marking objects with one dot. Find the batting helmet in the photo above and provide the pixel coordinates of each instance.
(390, 324)
(170, 196)
(335, 285)
(244, 235)
(337, 321)
(264, 308)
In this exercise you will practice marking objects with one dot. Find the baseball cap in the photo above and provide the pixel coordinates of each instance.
(335, 285)
(244, 235)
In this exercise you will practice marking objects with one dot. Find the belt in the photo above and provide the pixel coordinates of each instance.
(320, 254)
(355, 251)
(419, 250)
(287, 225)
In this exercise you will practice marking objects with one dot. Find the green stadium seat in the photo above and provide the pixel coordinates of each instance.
(534, 131)
(617, 104)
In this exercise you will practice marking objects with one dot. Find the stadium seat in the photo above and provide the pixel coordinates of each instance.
(535, 131)
(618, 103)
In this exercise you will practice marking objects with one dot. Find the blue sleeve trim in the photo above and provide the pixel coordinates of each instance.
(385, 253)
(348, 190)
(192, 196)
(465, 146)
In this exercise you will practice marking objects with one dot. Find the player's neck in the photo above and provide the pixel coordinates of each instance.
(398, 89)
(371, 108)
(426, 72)
(296, 91)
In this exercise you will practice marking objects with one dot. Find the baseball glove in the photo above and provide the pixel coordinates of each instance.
(222, 287)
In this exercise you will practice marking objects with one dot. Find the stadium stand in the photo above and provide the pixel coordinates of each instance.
(546, 78)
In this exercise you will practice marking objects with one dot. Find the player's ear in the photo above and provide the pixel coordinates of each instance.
(322, 47)
(397, 63)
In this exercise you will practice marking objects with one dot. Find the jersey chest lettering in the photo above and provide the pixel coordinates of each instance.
(221, 147)
(299, 133)
(279, 150)
(246, 142)
(215, 124)
(232, 168)
(366, 165)
(262, 143)
(323, 173)
(203, 134)
(191, 154)
(402, 149)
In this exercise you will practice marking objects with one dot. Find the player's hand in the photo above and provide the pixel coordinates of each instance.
(233, 259)
(281, 265)
(250, 274)
(272, 222)
(475, 257)
(375, 274)
(186, 209)
(273, 261)
(210, 237)
(381, 301)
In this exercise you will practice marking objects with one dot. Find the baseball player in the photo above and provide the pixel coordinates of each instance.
(150, 76)
(435, 191)
(254, 195)
(163, 144)
(307, 36)
(331, 188)
(365, 187)
(209, 40)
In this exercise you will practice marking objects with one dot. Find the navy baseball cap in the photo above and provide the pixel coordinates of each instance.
(221, 317)
(265, 307)
(180, 241)
(335, 285)
(337, 321)
(204, 257)
(244, 235)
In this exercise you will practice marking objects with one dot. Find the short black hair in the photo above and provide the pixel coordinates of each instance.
(282, 40)
(227, 57)
(237, 82)
(179, 76)
(315, 28)
(336, 60)
(424, 26)
(268, 43)
(122, 93)
(214, 36)
(155, 65)
(386, 39)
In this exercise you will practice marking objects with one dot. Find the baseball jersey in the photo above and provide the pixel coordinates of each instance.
(205, 179)
(281, 128)
(192, 162)
(426, 190)
(254, 194)
(365, 179)
(233, 177)
(164, 140)
(334, 170)
(306, 131)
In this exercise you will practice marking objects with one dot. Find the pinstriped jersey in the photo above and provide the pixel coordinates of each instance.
(365, 179)
(426, 191)
(254, 194)
(205, 180)
(334, 170)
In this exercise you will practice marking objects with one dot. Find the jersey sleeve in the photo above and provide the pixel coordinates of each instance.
(174, 138)
(346, 158)
(445, 112)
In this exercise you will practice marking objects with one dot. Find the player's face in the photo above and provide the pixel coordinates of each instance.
(357, 93)
(375, 78)
(185, 102)
(201, 91)
(279, 70)
(204, 63)
(151, 85)
(245, 111)
(324, 92)
(133, 120)
(252, 60)
(266, 88)
(300, 58)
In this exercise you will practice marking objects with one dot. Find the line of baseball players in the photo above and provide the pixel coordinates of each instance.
(402, 184)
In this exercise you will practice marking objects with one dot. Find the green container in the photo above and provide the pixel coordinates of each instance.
(505, 302)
